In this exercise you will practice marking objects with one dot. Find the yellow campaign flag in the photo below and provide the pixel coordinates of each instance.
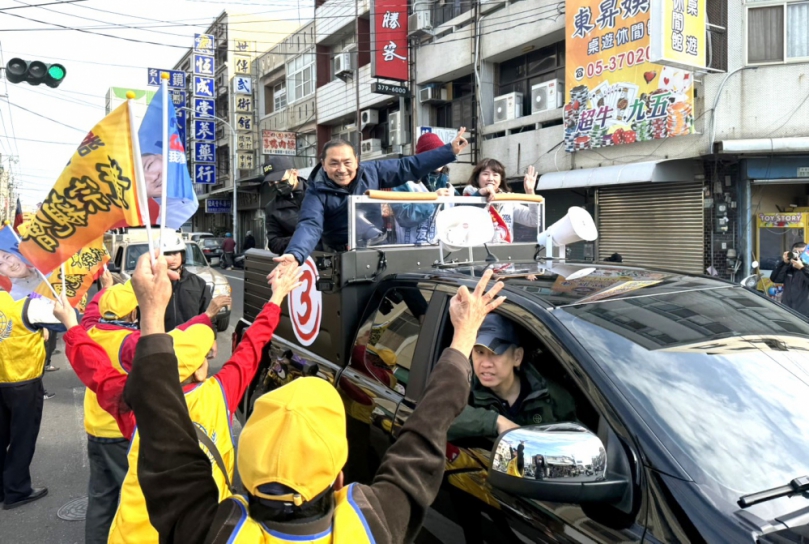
(95, 193)
(80, 272)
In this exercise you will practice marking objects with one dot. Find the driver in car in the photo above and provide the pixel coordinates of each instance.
(506, 393)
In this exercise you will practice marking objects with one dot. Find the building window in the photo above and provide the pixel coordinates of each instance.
(460, 110)
(521, 73)
(300, 77)
(449, 9)
(307, 147)
(279, 96)
(777, 33)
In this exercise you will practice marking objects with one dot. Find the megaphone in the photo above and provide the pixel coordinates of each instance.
(576, 226)
(464, 226)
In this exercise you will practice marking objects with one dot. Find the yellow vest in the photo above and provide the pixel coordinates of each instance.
(512, 469)
(208, 410)
(22, 350)
(348, 525)
(97, 421)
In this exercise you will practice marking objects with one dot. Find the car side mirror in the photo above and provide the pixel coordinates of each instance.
(751, 281)
(563, 462)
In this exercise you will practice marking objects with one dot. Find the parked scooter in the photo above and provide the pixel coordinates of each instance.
(238, 261)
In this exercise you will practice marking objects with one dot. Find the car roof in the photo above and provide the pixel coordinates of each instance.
(556, 283)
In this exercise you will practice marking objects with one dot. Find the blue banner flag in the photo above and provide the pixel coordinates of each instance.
(181, 200)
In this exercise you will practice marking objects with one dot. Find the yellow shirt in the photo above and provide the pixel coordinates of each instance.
(348, 526)
(22, 349)
(208, 410)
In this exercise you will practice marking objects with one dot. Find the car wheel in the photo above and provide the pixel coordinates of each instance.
(223, 323)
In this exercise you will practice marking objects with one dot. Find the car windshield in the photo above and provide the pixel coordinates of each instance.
(209, 243)
(721, 376)
(193, 255)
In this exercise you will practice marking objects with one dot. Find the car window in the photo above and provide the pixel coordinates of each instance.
(119, 257)
(211, 242)
(387, 340)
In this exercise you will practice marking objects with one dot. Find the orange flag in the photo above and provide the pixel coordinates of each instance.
(95, 192)
(80, 272)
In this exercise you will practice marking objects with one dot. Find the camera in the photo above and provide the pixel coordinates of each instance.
(791, 256)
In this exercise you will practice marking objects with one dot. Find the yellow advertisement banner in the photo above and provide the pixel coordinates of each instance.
(677, 29)
(616, 96)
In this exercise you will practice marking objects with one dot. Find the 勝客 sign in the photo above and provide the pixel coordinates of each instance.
(389, 40)
(278, 143)
(615, 94)
(677, 31)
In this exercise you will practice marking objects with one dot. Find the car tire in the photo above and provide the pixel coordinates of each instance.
(223, 323)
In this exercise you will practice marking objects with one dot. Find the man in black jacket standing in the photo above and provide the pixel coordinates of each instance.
(794, 274)
(287, 192)
(190, 295)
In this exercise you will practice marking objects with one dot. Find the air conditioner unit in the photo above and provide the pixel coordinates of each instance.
(419, 24)
(397, 129)
(432, 94)
(342, 64)
(371, 146)
(546, 96)
(507, 107)
(369, 117)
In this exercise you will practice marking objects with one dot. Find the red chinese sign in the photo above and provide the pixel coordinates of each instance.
(278, 143)
(389, 40)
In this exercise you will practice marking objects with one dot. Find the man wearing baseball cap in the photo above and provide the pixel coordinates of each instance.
(505, 392)
(287, 190)
(293, 448)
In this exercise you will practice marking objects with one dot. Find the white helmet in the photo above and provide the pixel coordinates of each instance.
(173, 243)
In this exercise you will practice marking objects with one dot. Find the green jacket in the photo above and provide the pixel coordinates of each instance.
(548, 402)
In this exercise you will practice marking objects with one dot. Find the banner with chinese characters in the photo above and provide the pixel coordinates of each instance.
(677, 33)
(278, 143)
(81, 270)
(615, 95)
(95, 193)
(389, 40)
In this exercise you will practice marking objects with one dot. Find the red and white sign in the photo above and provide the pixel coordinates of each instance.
(389, 40)
(306, 305)
(278, 143)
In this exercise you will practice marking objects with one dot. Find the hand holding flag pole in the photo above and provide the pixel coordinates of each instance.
(140, 176)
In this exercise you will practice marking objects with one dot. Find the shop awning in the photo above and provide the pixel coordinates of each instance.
(638, 172)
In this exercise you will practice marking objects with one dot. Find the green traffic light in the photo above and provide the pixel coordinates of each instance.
(56, 72)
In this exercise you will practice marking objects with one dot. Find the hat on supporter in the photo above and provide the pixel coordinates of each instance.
(117, 301)
(427, 142)
(275, 167)
(296, 437)
(497, 334)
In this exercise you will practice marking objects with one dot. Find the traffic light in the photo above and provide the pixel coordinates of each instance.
(35, 72)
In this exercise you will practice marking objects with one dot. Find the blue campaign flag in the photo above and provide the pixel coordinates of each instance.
(18, 277)
(181, 200)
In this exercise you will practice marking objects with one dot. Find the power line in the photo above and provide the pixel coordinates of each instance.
(40, 5)
(40, 115)
(40, 141)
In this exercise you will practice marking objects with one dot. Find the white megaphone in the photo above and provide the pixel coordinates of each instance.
(464, 226)
(576, 226)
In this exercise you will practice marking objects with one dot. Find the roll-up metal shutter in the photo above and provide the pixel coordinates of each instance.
(653, 224)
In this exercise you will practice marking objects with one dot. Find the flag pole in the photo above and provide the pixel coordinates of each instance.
(64, 280)
(140, 177)
(41, 275)
(164, 176)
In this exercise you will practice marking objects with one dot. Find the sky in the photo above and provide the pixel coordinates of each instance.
(36, 146)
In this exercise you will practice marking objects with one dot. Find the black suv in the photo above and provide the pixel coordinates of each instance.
(690, 392)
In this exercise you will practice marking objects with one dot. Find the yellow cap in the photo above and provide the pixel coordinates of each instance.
(386, 355)
(296, 436)
(118, 301)
(130, 95)
(191, 347)
(164, 75)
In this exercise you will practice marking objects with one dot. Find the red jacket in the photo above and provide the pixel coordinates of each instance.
(94, 369)
(229, 245)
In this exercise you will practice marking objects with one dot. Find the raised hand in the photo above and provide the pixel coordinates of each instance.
(283, 261)
(468, 310)
(64, 313)
(152, 286)
(286, 281)
(530, 180)
(106, 279)
(459, 143)
(217, 304)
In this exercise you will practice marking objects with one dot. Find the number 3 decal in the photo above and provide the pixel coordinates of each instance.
(306, 305)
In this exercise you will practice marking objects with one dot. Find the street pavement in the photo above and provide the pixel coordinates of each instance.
(60, 462)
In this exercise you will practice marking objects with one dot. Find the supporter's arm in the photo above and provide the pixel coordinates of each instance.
(310, 226)
(394, 172)
(175, 474)
(526, 214)
(413, 467)
(37, 313)
(238, 372)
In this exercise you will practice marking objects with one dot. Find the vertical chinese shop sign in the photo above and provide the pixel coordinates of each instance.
(389, 40)
(616, 96)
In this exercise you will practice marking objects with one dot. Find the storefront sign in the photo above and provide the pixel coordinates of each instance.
(278, 143)
(803, 172)
(176, 78)
(384, 88)
(780, 220)
(446, 134)
(389, 39)
(203, 44)
(245, 160)
(615, 95)
(213, 205)
(677, 32)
